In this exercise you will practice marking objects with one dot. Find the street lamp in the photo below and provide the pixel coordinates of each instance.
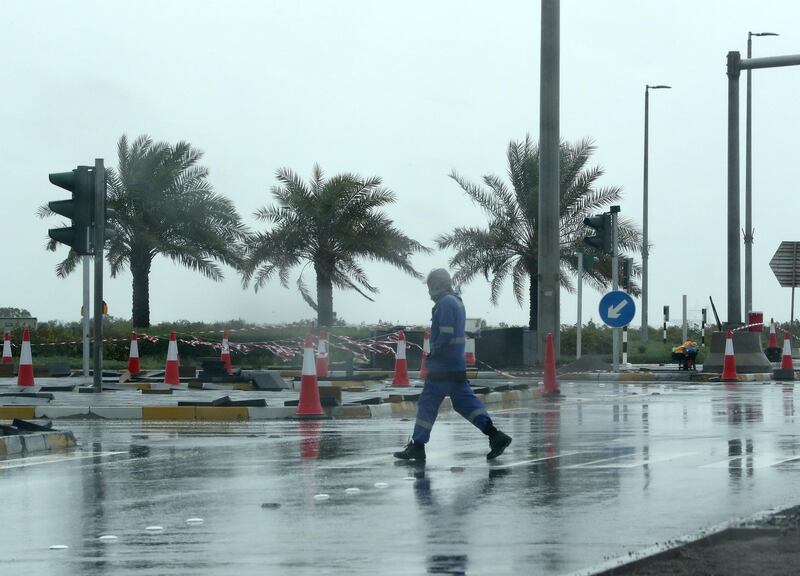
(748, 185)
(645, 247)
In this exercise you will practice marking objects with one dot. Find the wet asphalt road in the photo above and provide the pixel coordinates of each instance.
(607, 470)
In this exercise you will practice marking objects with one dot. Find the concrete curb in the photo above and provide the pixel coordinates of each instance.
(659, 377)
(505, 399)
(36, 442)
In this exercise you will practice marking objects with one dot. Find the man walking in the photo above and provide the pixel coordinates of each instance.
(447, 373)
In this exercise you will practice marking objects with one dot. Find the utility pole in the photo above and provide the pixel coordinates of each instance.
(580, 306)
(734, 68)
(99, 237)
(614, 281)
(645, 238)
(748, 181)
(548, 320)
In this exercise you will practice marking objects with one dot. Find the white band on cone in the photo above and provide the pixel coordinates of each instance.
(25, 356)
(728, 346)
(134, 349)
(426, 345)
(401, 349)
(7, 349)
(309, 365)
(787, 346)
(172, 351)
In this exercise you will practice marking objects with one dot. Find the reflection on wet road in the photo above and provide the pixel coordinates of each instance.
(607, 470)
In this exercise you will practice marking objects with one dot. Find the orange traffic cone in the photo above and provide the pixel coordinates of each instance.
(309, 404)
(133, 356)
(7, 358)
(322, 355)
(225, 356)
(550, 381)
(426, 349)
(25, 376)
(786, 371)
(401, 364)
(773, 337)
(786, 361)
(729, 364)
(171, 376)
(469, 351)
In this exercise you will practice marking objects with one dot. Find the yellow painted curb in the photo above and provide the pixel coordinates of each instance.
(60, 440)
(168, 412)
(243, 386)
(11, 412)
(290, 373)
(236, 413)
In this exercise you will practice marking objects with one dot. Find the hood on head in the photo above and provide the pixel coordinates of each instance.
(439, 283)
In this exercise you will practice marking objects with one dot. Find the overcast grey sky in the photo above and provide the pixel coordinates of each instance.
(405, 90)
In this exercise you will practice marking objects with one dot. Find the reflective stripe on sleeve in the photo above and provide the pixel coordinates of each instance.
(447, 329)
(461, 340)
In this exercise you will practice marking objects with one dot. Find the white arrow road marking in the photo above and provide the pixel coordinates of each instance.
(613, 311)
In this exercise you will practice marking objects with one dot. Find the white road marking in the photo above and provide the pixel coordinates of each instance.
(641, 462)
(533, 461)
(24, 462)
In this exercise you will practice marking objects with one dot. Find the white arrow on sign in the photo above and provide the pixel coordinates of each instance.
(613, 311)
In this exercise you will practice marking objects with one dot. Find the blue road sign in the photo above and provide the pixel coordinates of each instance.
(617, 309)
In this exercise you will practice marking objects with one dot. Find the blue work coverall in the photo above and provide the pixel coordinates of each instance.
(447, 371)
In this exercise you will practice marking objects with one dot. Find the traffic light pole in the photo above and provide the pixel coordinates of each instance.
(85, 318)
(614, 283)
(99, 222)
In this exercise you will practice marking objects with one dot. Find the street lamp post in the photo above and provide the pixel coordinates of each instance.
(748, 184)
(645, 247)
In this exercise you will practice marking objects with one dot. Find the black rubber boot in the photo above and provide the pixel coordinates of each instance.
(412, 451)
(498, 442)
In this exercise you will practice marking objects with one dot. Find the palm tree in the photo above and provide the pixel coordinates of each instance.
(508, 246)
(163, 204)
(332, 224)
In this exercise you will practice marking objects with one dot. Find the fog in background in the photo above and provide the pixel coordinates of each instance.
(408, 91)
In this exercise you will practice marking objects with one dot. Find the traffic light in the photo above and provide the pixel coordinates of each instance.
(79, 209)
(602, 238)
(627, 273)
(588, 260)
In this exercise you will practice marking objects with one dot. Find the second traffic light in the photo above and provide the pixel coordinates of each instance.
(79, 209)
(626, 273)
(602, 225)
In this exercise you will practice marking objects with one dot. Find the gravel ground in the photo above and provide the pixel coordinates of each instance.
(770, 547)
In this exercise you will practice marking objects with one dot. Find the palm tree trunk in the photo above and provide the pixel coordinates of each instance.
(324, 299)
(140, 270)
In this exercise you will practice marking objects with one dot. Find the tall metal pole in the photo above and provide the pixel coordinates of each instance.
(645, 247)
(614, 283)
(86, 310)
(748, 182)
(580, 306)
(685, 331)
(548, 320)
(645, 203)
(734, 255)
(99, 219)
(748, 189)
